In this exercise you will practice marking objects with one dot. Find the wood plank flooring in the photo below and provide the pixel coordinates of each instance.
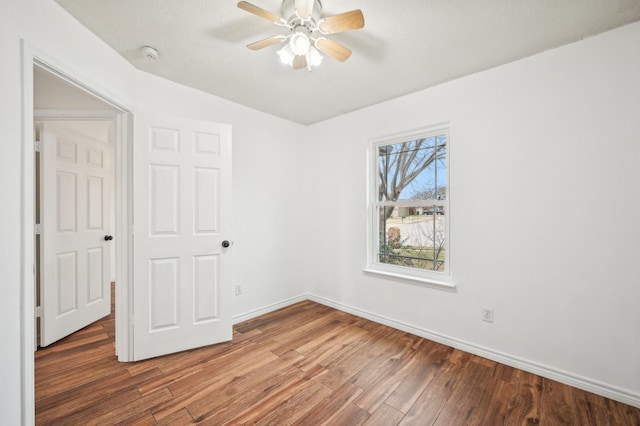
(307, 364)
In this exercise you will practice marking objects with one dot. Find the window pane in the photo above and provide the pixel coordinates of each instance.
(413, 170)
(413, 237)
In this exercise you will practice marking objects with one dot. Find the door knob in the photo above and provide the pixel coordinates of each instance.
(108, 237)
(226, 244)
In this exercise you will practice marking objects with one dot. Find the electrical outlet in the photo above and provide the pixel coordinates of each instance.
(487, 314)
(238, 290)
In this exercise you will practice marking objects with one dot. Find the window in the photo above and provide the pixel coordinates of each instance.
(409, 206)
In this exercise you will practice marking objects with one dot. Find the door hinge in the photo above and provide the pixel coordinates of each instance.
(38, 229)
(37, 145)
(38, 311)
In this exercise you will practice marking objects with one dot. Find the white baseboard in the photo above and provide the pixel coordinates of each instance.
(269, 308)
(580, 382)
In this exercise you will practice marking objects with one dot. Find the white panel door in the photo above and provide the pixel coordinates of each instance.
(182, 215)
(75, 173)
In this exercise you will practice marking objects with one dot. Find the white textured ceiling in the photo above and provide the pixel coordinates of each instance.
(405, 45)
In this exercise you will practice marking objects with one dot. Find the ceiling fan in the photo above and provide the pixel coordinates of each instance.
(307, 30)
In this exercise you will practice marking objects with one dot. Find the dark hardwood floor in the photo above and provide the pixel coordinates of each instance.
(307, 364)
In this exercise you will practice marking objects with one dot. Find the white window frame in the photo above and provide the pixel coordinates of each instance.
(440, 279)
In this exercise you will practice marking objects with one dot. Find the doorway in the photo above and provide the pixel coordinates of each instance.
(74, 200)
(206, 188)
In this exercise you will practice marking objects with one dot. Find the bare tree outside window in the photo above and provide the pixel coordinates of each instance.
(411, 202)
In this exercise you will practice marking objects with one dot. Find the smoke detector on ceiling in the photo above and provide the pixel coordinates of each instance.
(149, 52)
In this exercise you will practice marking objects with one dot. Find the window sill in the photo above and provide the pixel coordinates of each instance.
(423, 281)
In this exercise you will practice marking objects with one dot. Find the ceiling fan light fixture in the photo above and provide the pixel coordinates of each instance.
(286, 55)
(299, 41)
(315, 58)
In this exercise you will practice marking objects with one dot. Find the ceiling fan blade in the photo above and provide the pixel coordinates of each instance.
(299, 62)
(246, 6)
(304, 8)
(266, 42)
(333, 48)
(353, 20)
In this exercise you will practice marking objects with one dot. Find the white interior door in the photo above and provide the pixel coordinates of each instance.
(75, 174)
(182, 214)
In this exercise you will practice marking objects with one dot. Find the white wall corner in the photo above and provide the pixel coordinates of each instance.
(268, 308)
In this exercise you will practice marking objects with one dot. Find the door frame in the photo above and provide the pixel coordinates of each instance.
(122, 161)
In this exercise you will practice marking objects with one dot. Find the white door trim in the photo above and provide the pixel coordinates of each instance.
(123, 171)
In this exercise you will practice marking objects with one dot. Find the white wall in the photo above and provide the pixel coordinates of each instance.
(545, 210)
(265, 167)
